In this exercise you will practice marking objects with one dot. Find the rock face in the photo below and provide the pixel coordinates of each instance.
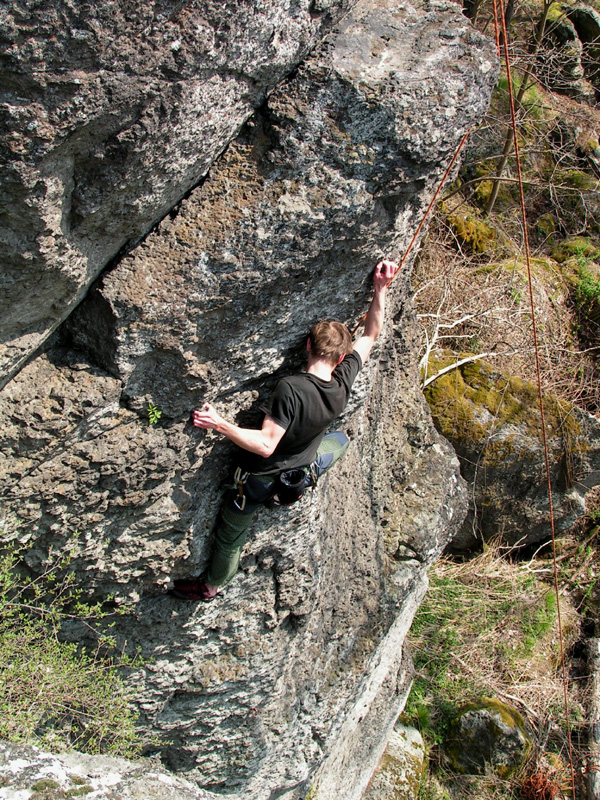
(289, 685)
(111, 112)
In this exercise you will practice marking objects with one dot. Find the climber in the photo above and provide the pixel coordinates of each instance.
(290, 451)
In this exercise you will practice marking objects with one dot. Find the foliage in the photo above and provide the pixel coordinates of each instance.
(52, 693)
(585, 298)
(154, 413)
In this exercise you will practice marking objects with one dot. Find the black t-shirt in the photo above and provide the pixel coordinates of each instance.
(305, 406)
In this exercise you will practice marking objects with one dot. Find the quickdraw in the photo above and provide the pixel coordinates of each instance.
(240, 478)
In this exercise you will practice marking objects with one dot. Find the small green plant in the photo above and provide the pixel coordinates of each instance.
(53, 693)
(154, 413)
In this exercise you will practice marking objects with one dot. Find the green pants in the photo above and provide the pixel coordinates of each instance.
(230, 535)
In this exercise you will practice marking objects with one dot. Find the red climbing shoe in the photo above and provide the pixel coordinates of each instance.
(193, 589)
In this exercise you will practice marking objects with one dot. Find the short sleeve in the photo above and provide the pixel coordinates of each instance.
(347, 371)
(280, 404)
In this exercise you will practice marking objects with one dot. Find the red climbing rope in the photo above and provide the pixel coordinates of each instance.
(496, 28)
(420, 227)
(539, 383)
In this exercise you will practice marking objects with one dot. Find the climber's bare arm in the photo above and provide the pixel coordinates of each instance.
(384, 272)
(262, 442)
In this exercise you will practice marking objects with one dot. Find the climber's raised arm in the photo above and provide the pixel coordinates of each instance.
(384, 272)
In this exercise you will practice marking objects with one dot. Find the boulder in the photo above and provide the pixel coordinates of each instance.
(487, 735)
(27, 772)
(560, 59)
(493, 421)
(586, 21)
(398, 774)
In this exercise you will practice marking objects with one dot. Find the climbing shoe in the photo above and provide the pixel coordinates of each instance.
(192, 589)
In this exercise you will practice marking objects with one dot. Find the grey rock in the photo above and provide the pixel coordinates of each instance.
(592, 780)
(294, 678)
(586, 21)
(561, 60)
(25, 769)
(110, 113)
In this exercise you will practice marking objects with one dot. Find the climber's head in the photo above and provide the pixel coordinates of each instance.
(330, 341)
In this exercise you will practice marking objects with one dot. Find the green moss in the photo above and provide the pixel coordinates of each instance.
(44, 785)
(545, 226)
(471, 402)
(81, 791)
(472, 232)
(585, 299)
(78, 780)
(555, 13)
(576, 179)
(576, 247)
(517, 267)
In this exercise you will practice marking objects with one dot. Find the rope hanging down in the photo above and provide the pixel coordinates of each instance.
(539, 380)
(420, 226)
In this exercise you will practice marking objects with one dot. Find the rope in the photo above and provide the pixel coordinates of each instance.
(496, 28)
(420, 226)
(539, 385)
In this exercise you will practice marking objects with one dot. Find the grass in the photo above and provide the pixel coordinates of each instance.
(488, 627)
(52, 693)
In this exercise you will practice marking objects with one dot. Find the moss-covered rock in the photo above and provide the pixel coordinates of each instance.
(471, 231)
(582, 276)
(575, 196)
(545, 227)
(476, 400)
(494, 423)
(487, 734)
(398, 775)
(576, 247)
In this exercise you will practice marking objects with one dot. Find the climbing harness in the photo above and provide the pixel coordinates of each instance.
(539, 383)
(289, 486)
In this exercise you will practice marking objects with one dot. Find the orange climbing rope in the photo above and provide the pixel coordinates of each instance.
(539, 382)
(420, 226)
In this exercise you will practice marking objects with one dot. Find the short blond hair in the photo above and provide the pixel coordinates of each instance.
(330, 340)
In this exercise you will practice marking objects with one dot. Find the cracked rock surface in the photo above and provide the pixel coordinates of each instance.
(110, 112)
